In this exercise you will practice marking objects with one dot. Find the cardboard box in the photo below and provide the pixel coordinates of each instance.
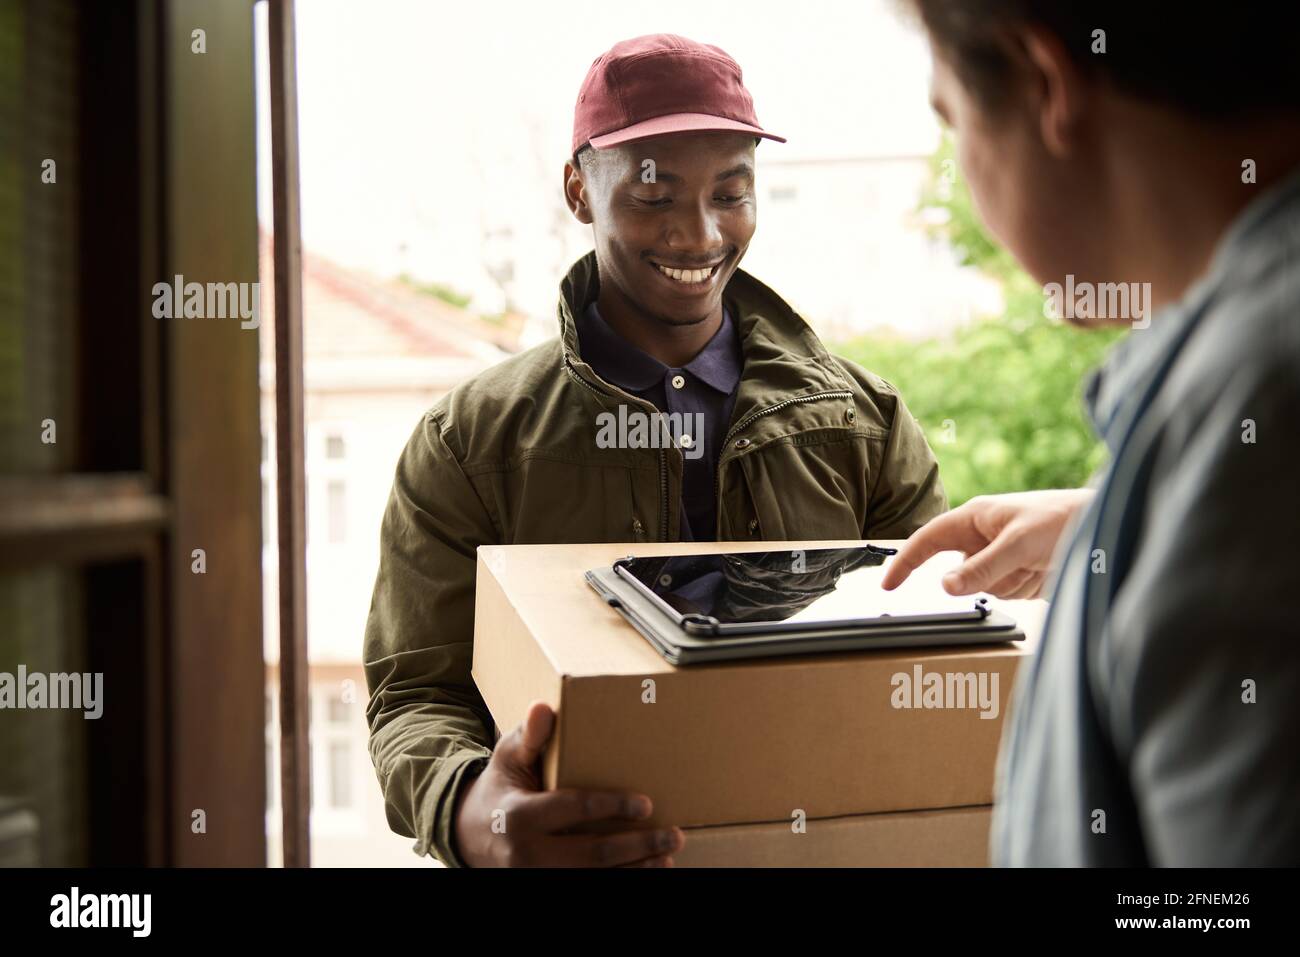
(743, 742)
(954, 837)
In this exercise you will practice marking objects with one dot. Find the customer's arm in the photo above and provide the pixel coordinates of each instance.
(1009, 541)
(1201, 666)
(429, 727)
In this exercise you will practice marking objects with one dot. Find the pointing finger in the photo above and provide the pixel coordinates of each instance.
(952, 530)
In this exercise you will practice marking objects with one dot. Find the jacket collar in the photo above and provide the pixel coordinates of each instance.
(718, 365)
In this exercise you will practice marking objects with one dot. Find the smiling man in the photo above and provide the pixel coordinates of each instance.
(658, 321)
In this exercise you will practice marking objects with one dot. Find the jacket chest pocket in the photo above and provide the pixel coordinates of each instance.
(555, 502)
(785, 492)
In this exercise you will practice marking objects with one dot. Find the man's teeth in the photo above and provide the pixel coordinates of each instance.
(686, 275)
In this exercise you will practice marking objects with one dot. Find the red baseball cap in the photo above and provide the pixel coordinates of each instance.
(661, 84)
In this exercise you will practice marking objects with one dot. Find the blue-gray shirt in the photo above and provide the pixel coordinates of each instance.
(704, 387)
(1159, 721)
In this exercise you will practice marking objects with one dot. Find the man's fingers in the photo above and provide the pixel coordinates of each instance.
(1000, 558)
(1008, 586)
(538, 724)
(612, 850)
(953, 530)
(1030, 588)
(525, 744)
(550, 811)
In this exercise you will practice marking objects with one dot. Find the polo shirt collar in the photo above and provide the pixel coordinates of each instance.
(719, 364)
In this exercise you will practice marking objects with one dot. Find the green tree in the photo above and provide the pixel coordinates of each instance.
(998, 398)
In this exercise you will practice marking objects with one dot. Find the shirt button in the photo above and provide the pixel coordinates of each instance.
(687, 441)
(753, 525)
(679, 382)
(665, 580)
(742, 443)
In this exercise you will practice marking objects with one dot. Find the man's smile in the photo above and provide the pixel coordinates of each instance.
(697, 279)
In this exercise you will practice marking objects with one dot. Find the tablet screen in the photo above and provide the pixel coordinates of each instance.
(809, 586)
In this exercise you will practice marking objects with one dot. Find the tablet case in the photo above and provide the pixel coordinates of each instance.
(679, 647)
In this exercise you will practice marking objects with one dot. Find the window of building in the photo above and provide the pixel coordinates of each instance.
(340, 709)
(340, 772)
(338, 511)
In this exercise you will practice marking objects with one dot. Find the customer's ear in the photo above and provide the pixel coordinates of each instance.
(575, 194)
(1057, 89)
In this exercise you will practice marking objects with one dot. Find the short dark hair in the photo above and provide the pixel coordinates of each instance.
(1239, 62)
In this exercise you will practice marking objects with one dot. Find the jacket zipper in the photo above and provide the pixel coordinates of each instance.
(745, 422)
(663, 457)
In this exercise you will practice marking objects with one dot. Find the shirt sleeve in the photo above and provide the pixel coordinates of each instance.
(430, 730)
(1198, 672)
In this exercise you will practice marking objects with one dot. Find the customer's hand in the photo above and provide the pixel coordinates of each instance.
(505, 819)
(1008, 541)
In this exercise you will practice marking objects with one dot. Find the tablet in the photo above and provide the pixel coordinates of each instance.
(725, 605)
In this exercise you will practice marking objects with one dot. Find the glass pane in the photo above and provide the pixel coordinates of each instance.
(338, 511)
(43, 729)
(340, 759)
(38, 234)
(340, 711)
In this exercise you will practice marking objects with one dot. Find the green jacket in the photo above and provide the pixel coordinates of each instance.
(818, 448)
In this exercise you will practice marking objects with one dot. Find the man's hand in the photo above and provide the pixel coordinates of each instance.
(1008, 541)
(509, 794)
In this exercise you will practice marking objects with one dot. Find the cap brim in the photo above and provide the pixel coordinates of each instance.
(679, 123)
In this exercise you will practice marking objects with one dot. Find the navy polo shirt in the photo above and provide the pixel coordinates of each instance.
(706, 385)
